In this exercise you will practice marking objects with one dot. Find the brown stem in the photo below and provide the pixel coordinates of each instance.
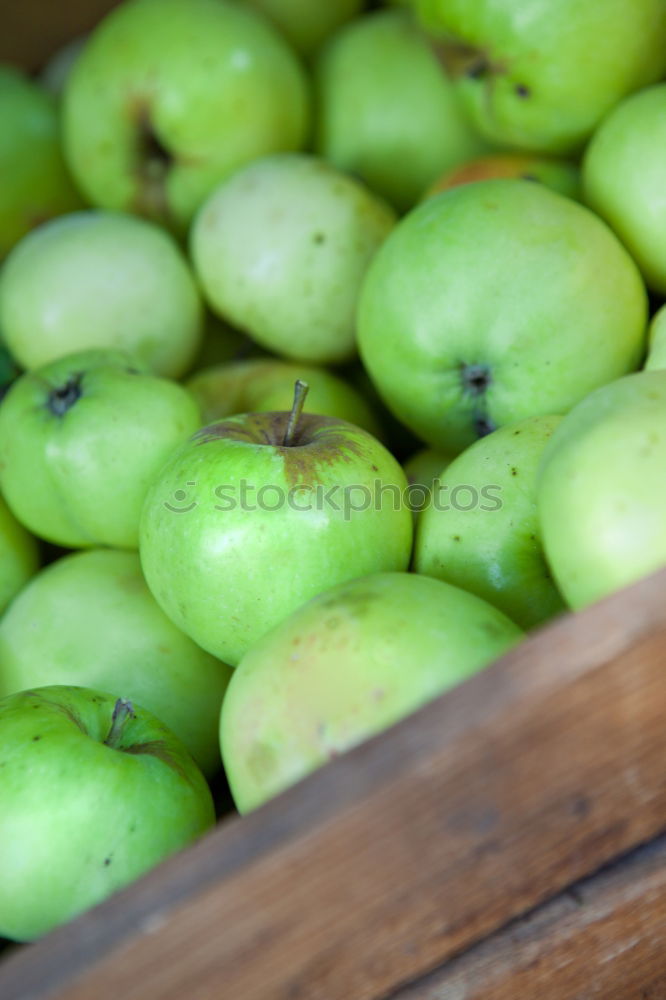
(301, 389)
(123, 710)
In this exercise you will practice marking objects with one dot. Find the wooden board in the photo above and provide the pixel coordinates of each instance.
(604, 938)
(409, 849)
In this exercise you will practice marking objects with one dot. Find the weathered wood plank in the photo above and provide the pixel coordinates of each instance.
(410, 848)
(605, 938)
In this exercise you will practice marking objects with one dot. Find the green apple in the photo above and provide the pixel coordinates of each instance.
(19, 556)
(170, 96)
(346, 665)
(656, 357)
(481, 530)
(81, 440)
(560, 175)
(89, 619)
(264, 384)
(305, 24)
(624, 172)
(541, 76)
(100, 279)
(386, 111)
(94, 792)
(257, 513)
(497, 301)
(281, 249)
(601, 489)
(35, 183)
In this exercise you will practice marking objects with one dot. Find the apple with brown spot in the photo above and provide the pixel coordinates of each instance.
(257, 513)
(346, 665)
(260, 384)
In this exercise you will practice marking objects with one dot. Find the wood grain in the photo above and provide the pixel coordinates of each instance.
(33, 30)
(603, 939)
(407, 850)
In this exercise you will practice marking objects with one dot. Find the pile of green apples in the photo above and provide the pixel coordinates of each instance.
(332, 363)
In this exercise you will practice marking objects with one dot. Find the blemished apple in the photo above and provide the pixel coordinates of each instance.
(542, 77)
(257, 513)
(385, 110)
(481, 531)
(281, 249)
(601, 489)
(265, 384)
(656, 357)
(560, 175)
(623, 177)
(35, 182)
(88, 619)
(306, 25)
(494, 302)
(169, 97)
(19, 556)
(94, 792)
(100, 280)
(346, 665)
(81, 439)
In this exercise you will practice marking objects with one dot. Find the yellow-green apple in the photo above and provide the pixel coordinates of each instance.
(481, 530)
(81, 439)
(281, 249)
(560, 175)
(542, 76)
(601, 489)
(346, 665)
(94, 792)
(88, 619)
(305, 24)
(624, 171)
(19, 556)
(497, 301)
(170, 96)
(100, 279)
(386, 111)
(257, 513)
(656, 357)
(264, 384)
(35, 183)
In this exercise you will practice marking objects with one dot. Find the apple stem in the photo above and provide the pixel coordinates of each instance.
(122, 711)
(301, 389)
